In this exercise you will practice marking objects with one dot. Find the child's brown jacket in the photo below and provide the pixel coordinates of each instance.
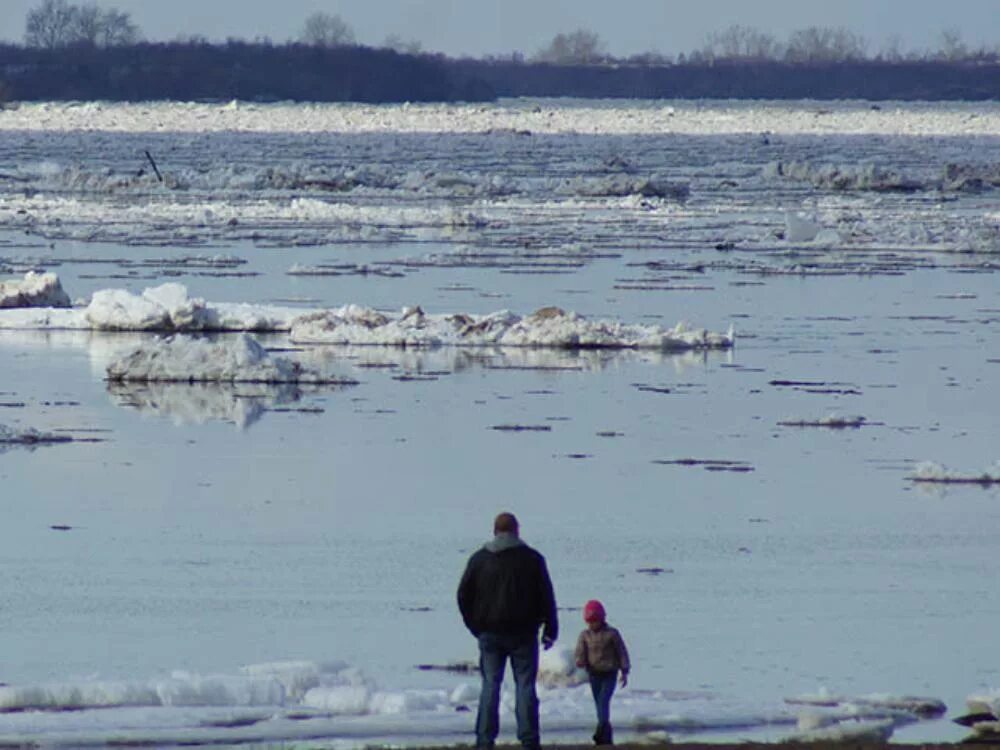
(602, 650)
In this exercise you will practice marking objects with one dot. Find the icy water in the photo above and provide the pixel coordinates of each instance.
(201, 556)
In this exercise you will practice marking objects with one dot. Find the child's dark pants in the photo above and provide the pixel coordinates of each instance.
(602, 685)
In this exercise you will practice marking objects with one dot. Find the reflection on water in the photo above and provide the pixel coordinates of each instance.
(241, 404)
(456, 359)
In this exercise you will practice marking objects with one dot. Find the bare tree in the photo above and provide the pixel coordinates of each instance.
(406, 47)
(952, 46)
(741, 43)
(117, 29)
(326, 30)
(577, 47)
(56, 23)
(892, 50)
(87, 24)
(50, 25)
(821, 44)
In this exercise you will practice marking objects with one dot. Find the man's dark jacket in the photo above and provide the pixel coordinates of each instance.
(506, 589)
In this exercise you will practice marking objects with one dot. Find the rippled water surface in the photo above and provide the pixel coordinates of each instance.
(747, 549)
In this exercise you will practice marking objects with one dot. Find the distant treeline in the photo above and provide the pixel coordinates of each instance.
(266, 72)
(237, 70)
(747, 79)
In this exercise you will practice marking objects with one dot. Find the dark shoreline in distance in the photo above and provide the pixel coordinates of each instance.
(262, 72)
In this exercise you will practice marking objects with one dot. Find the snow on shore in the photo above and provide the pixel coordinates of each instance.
(337, 702)
(169, 308)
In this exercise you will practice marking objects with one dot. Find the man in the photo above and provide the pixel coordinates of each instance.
(504, 596)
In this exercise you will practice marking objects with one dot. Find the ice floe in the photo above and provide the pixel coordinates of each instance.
(970, 177)
(164, 308)
(239, 359)
(982, 716)
(832, 421)
(844, 177)
(654, 186)
(548, 327)
(987, 702)
(800, 228)
(29, 437)
(875, 178)
(934, 473)
(913, 704)
(34, 290)
(512, 118)
(169, 308)
(848, 731)
(455, 174)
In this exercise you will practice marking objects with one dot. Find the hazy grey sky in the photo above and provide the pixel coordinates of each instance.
(481, 27)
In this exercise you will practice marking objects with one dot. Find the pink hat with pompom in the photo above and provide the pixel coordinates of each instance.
(593, 611)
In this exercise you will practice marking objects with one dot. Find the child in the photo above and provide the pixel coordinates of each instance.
(601, 651)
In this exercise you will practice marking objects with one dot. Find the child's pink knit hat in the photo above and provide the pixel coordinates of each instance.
(593, 611)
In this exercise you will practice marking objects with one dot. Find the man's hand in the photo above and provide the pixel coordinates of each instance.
(623, 679)
(547, 642)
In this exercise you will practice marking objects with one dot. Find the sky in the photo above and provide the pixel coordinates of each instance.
(495, 27)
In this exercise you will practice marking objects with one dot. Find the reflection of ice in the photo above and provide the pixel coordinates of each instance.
(103, 348)
(458, 359)
(241, 404)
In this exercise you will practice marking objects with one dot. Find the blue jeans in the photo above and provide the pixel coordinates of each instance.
(522, 650)
(602, 685)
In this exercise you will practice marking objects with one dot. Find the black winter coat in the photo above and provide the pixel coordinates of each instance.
(506, 589)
